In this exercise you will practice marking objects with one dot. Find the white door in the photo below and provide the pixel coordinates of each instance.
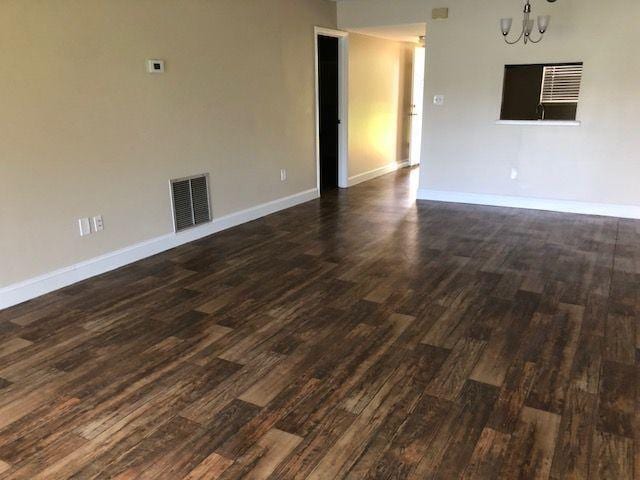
(417, 95)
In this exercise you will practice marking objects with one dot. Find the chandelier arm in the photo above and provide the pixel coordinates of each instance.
(516, 40)
(536, 41)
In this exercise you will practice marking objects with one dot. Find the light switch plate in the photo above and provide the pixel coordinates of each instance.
(438, 100)
(85, 226)
(98, 224)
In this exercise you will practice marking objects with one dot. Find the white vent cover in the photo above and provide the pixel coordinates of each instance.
(561, 83)
(190, 201)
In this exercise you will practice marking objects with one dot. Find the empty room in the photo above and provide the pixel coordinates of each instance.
(319, 239)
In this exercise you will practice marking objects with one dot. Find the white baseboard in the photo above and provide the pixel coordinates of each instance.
(376, 172)
(567, 206)
(48, 282)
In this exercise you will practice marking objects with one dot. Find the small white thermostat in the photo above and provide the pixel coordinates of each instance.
(155, 66)
(438, 100)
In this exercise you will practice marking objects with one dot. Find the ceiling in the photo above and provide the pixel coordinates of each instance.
(401, 33)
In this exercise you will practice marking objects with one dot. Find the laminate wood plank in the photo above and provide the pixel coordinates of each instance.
(380, 293)
(412, 441)
(407, 396)
(617, 399)
(134, 461)
(211, 468)
(35, 432)
(530, 451)
(314, 446)
(174, 383)
(585, 373)
(278, 446)
(190, 446)
(243, 465)
(574, 444)
(253, 343)
(205, 340)
(620, 339)
(22, 406)
(206, 406)
(249, 434)
(488, 455)
(511, 399)
(555, 361)
(374, 370)
(129, 428)
(456, 369)
(595, 315)
(505, 339)
(348, 448)
(269, 386)
(461, 429)
(13, 345)
(453, 324)
(41, 353)
(612, 457)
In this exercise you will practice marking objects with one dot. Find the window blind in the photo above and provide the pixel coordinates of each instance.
(561, 84)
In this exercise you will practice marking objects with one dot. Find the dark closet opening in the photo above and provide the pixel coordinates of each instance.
(328, 76)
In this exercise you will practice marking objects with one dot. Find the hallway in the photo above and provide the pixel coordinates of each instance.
(361, 335)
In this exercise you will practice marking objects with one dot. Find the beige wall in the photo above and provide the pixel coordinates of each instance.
(86, 131)
(465, 151)
(379, 99)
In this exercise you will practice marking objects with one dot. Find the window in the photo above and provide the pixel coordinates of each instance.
(541, 92)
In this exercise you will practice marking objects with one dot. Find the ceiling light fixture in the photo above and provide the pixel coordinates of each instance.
(527, 26)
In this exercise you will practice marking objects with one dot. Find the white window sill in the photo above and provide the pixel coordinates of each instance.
(557, 123)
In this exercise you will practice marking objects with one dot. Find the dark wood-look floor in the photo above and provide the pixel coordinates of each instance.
(358, 336)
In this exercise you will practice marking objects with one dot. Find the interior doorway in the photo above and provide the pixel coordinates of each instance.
(331, 57)
(417, 98)
(329, 115)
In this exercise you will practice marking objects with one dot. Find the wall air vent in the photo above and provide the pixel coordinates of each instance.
(190, 200)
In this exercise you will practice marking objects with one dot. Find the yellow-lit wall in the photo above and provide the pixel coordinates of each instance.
(379, 100)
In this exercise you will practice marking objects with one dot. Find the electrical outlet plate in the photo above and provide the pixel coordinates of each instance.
(85, 226)
(283, 175)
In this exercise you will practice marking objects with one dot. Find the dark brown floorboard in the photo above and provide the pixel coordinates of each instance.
(363, 335)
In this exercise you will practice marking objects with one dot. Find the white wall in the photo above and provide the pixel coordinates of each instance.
(465, 151)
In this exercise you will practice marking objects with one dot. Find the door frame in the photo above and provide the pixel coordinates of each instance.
(413, 148)
(343, 110)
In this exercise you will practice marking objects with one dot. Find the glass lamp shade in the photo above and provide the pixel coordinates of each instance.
(543, 23)
(505, 25)
(528, 27)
